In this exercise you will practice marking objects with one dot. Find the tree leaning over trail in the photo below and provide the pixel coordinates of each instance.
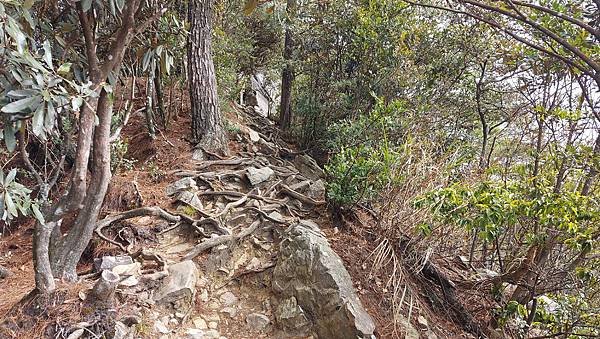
(207, 124)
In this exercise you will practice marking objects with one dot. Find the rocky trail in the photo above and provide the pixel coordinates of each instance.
(242, 255)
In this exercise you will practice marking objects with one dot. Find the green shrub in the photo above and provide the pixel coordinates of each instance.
(366, 159)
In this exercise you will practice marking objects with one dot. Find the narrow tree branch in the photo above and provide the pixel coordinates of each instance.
(513, 35)
(595, 32)
(524, 19)
(25, 157)
(89, 41)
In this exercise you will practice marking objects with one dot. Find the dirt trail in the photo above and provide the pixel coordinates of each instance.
(257, 191)
(252, 188)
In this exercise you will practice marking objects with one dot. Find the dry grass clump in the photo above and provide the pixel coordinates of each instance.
(403, 249)
(42, 316)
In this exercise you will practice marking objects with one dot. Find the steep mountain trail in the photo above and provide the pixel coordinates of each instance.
(236, 246)
(241, 206)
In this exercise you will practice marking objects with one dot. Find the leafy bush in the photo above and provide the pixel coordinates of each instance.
(117, 156)
(367, 158)
(15, 199)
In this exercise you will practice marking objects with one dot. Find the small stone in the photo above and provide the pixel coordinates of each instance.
(204, 295)
(198, 155)
(179, 315)
(121, 330)
(78, 333)
(211, 317)
(109, 262)
(185, 184)
(228, 298)
(200, 323)
(230, 311)
(212, 334)
(213, 325)
(129, 282)
(276, 215)
(129, 269)
(423, 321)
(259, 175)
(257, 321)
(317, 190)
(254, 264)
(254, 136)
(193, 333)
(180, 285)
(160, 327)
(214, 305)
(191, 199)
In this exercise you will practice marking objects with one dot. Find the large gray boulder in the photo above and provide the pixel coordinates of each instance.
(259, 175)
(179, 288)
(314, 292)
(185, 184)
(308, 167)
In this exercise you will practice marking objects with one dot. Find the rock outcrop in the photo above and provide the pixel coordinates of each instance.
(314, 292)
(179, 288)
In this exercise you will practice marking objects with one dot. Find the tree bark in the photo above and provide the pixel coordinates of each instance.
(55, 254)
(71, 247)
(207, 125)
(287, 76)
(159, 103)
(105, 287)
(482, 118)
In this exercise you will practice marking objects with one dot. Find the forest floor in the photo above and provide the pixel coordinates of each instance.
(154, 164)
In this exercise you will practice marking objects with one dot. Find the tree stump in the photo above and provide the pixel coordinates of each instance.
(104, 289)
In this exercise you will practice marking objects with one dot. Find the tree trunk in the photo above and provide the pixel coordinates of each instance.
(71, 246)
(207, 125)
(159, 103)
(287, 76)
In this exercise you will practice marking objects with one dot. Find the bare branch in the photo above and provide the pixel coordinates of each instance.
(594, 31)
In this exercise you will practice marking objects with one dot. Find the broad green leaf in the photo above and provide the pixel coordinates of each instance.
(10, 177)
(27, 4)
(50, 115)
(21, 93)
(21, 105)
(86, 5)
(2, 210)
(48, 54)
(37, 213)
(10, 206)
(76, 103)
(38, 121)
(64, 69)
(120, 4)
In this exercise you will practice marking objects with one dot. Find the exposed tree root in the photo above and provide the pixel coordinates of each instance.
(448, 298)
(216, 241)
(300, 197)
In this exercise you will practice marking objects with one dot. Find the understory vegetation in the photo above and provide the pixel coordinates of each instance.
(469, 132)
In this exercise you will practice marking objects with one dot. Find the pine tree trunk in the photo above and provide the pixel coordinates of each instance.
(287, 76)
(207, 126)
